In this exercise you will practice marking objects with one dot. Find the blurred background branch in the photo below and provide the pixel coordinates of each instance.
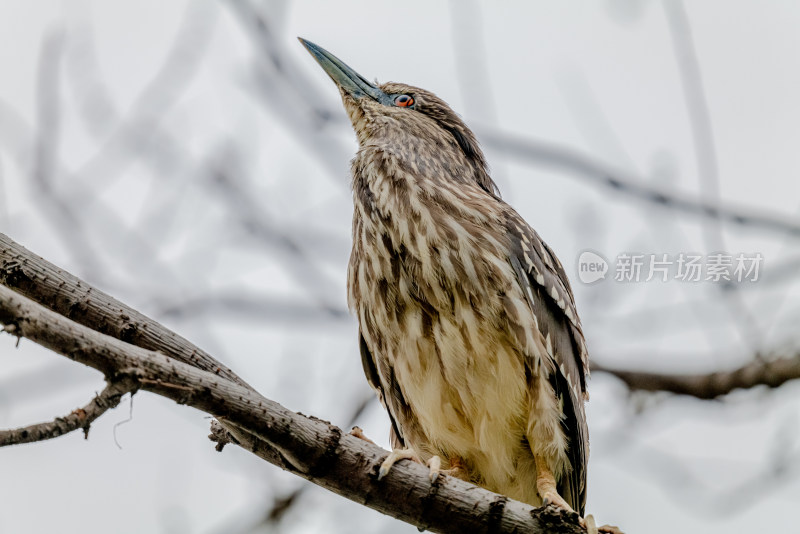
(772, 372)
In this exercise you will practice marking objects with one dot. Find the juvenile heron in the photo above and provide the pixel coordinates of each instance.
(469, 332)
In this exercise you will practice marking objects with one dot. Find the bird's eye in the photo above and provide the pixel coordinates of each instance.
(404, 101)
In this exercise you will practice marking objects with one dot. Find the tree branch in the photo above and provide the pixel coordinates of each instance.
(626, 184)
(67, 295)
(58, 290)
(79, 418)
(306, 446)
(759, 372)
(701, 130)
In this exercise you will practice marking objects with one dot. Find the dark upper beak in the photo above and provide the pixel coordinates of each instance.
(345, 77)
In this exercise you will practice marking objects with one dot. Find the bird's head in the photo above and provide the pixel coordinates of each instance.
(402, 115)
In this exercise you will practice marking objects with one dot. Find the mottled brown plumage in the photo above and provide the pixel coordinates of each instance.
(469, 332)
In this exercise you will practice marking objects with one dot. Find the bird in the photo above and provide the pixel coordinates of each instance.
(468, 328)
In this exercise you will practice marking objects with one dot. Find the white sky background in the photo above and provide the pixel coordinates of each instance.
(600, 78)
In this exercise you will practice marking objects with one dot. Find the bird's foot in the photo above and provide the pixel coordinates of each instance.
(552, 497)
(395, 456)
(456, 468)
(357, 432)
(546, 486)
(434, 463)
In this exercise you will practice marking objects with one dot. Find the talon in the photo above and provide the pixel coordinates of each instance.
(435, 464)
(555, 499)
(395, 456)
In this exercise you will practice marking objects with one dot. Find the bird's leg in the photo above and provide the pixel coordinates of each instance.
(546, 486)
(357, 432)
(395, 456)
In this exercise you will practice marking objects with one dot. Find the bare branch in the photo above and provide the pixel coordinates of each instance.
(699, 115)
(82, 418)
(255, 308)
(295, 255)
(582, 165)
(759, 372)
(141, 127)
(45, 169)
(306, 446)
(626, 184)
(287, 92)
(705, 152)
(609, 177)
(58, 290)
(73, 298)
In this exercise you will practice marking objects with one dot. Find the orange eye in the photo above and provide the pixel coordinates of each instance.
(404, 101)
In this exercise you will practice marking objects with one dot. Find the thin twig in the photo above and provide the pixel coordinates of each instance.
(705, 153)
(79, 418)
(702, 131)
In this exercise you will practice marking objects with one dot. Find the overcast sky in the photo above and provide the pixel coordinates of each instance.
(599, 78)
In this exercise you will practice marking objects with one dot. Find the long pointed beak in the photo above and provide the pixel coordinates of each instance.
(345, 77)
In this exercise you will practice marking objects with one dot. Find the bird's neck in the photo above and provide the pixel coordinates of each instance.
(412, 214)
(404, 180)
